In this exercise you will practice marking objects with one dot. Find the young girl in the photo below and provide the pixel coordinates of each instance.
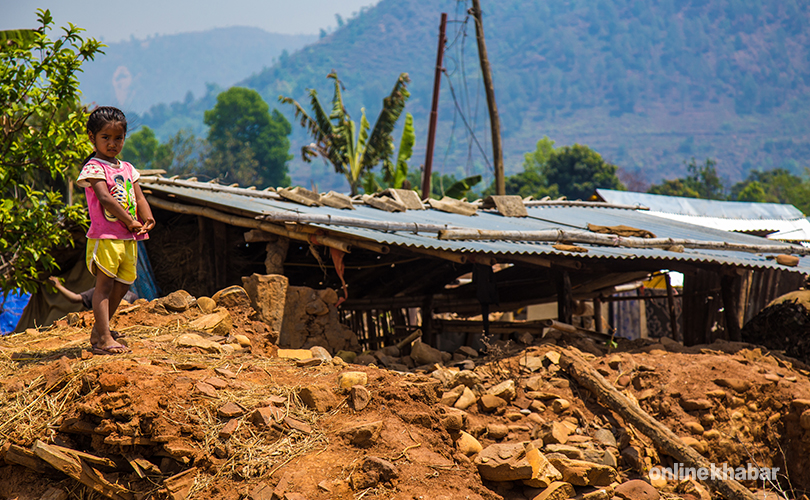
(119, 217)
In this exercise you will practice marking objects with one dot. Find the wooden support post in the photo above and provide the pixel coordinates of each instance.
(598, 325)
(730, 289)
(565, 298)
(220, 243)
(428, 332)
(205, 265)
(673, 320)
(371, 324)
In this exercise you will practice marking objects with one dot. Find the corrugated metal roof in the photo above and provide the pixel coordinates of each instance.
(539, 218)
(698, 207)
(784, 222)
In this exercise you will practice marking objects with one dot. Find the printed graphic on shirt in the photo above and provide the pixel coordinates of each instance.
(124, 193)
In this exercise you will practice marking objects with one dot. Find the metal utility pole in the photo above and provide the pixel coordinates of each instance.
(489, 88)
(434, 112)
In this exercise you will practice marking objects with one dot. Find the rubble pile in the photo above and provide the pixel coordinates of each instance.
(207, 406)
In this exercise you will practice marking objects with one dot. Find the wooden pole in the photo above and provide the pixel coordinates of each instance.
(565, 300)
(556, 235)
(489, 88)
(660, 434)
(729, 288)
(597, 315)
(428, 330)
(339, 220)
(434, 111)
(673, 320)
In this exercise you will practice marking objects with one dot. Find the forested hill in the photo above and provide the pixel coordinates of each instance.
(137, 74)
(648, 84)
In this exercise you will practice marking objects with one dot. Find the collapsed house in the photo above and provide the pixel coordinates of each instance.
(396, 261)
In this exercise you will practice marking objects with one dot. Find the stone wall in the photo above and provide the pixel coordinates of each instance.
(299, 317)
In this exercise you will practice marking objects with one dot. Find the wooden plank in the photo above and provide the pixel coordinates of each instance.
(661, 435)
(80, 471)
(18, 455)
(91, 459)
(58, 460)
(180, 484)
(673, 320)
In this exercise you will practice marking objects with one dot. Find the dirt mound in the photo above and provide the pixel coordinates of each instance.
(192, 413)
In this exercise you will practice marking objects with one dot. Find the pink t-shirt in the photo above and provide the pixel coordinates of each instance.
(120, 179)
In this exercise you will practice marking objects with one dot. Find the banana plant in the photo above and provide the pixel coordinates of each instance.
(338, 140)
(394, 175)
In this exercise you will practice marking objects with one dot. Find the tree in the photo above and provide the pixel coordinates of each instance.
(532, 181)
(394, 174)
(43, 138)
(243, 127)
(578, 170)
(674, 187)
(140, 148)
(352, 151)
(774, 186)
(536, 160)
(184, 154)
(702, 182)
(574, 172)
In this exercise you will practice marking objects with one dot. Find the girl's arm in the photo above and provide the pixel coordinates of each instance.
(112, 206)
(144, 210)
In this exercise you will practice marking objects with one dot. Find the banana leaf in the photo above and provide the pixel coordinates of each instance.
(459, 189)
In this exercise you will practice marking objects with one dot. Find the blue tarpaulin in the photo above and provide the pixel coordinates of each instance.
(145, 286)
(11, 310)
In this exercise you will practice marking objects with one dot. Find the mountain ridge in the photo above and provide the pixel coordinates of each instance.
(648, 84)
(138, 74)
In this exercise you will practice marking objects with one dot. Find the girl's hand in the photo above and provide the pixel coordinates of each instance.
(148, 224)
(135, 226)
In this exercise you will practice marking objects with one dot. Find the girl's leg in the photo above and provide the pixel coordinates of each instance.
(100, 337)
(118, 291)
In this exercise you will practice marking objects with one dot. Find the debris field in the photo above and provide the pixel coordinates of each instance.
(207, 406)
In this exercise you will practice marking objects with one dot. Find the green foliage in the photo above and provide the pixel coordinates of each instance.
(43, 138)
(140, 148)
(462, 188)
(394, 175)
(674, 187)
(753, 192)
(353, 152)
(536, 160)
(532, 181)
(447, 185)
(578, 170)
(775, 186)
(183, 154)
(570, 171)
(249, 145)
(701, 182)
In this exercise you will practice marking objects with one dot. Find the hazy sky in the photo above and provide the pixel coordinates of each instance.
(118, 20)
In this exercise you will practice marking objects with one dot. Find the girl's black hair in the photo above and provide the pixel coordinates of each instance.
(101, 116)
